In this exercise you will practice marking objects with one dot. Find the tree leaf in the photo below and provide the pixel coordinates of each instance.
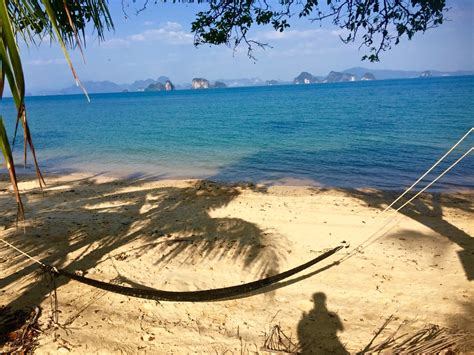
(7, 155)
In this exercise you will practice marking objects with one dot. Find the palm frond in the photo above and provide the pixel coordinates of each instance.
(7, 155)
(64, 21)
(57, 30)
(11, 58)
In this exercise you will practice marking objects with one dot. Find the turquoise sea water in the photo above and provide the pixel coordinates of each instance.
(380, 134)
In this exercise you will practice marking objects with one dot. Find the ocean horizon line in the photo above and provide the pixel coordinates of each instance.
(8, 95)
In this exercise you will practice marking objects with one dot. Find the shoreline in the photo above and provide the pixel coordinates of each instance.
(289, 182)
(194, 235)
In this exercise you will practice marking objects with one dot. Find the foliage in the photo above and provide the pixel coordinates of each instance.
(380, 23)
(63, 21)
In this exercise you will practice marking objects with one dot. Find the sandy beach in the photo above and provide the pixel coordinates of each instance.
(193, 235)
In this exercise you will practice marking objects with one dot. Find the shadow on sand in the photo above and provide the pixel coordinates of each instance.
(90, 220)
(428, 210)
(317, 329)
(79, 224)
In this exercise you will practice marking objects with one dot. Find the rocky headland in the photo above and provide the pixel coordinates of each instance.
(159, 86)
(200, 83)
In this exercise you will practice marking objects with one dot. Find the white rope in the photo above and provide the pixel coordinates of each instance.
(374, 220)
(426, 173)
(369, 240)
(439, 177)
(23, 253)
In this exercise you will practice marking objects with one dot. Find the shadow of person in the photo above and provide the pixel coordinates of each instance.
(317, 330)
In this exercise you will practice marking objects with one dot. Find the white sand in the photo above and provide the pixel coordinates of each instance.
(187, 235)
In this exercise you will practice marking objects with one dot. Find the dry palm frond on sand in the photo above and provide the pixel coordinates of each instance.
(431, 339)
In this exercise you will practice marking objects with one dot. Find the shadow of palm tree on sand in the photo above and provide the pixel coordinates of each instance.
(77, 227)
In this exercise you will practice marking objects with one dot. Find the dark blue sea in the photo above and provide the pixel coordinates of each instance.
(380, 134)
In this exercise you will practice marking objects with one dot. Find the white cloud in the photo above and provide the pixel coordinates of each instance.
(148, 23)
(170, 33)
(54, 61)
(116, 43)
(139, 37)
(304, 42)
(172, 26)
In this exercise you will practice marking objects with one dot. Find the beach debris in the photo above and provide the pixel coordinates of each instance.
(18, 330)
(431, 339)
(121, 257)
(277, 341)
(148, 337)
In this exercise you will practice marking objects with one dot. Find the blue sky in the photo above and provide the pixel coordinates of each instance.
(158, 42)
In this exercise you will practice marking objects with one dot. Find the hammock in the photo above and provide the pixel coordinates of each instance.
(191, 296)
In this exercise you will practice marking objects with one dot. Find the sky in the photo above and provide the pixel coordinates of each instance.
(158, 42)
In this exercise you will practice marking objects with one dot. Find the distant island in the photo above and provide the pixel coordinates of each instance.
(306, 78)
(164, 83)
(368, 76)
(332, 77)
(219, 85)
(364, 74)
(200, 83)
(160, 86)
(272, 82)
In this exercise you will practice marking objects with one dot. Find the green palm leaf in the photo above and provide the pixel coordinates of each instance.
(7, 155)
(11, 57)
(64, 20)
(56, 27)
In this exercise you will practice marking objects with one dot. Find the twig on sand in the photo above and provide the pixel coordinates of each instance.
(278, 341)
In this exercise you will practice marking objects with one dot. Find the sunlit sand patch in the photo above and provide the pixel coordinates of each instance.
(194, 236)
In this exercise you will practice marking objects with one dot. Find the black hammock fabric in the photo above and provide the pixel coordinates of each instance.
(193, 296)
